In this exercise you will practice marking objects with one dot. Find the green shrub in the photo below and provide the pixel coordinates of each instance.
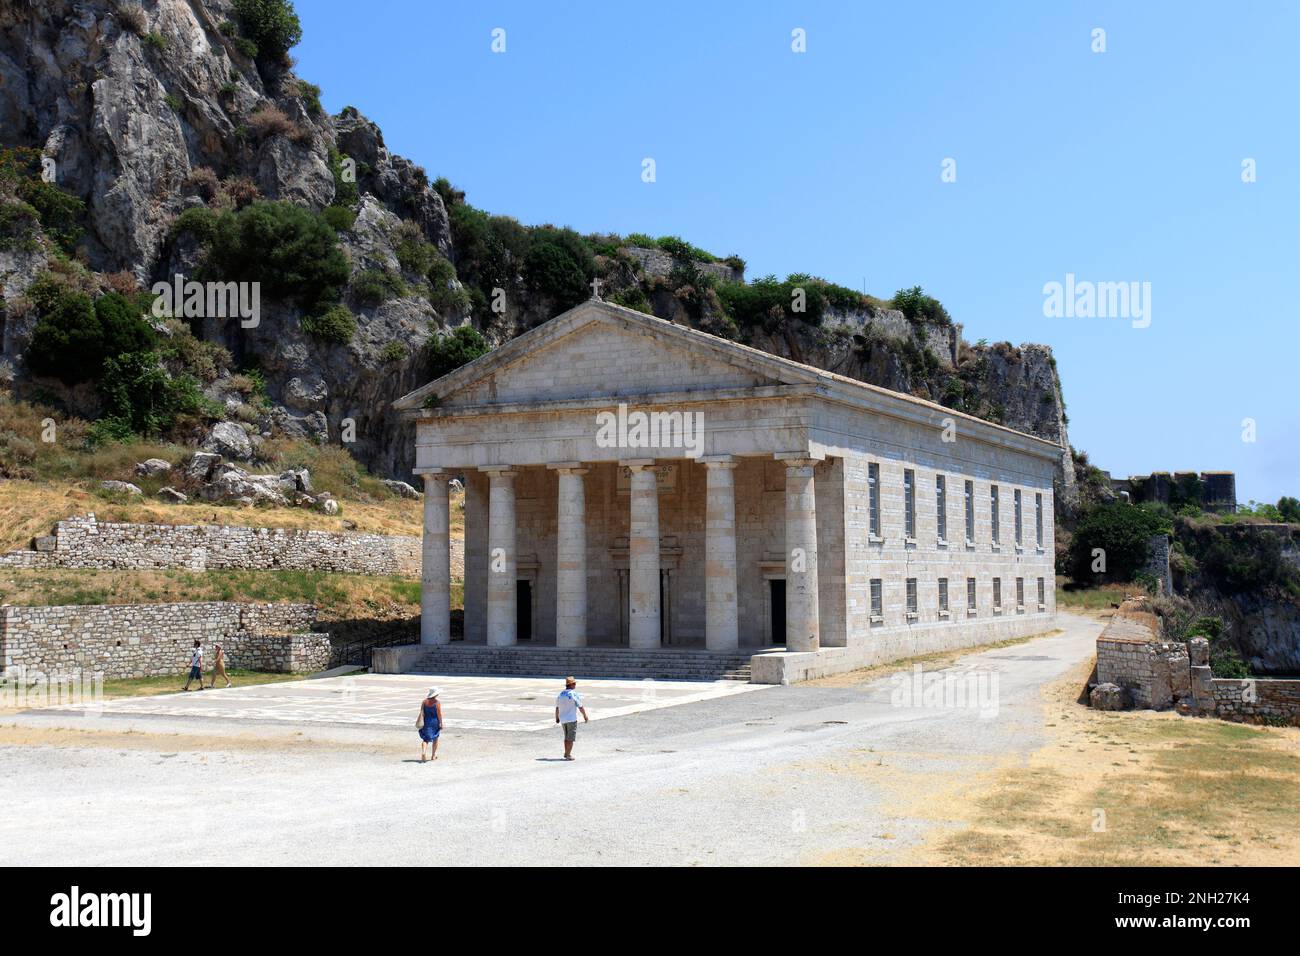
(680, 249)
(75, 335)
(293, 252)
(1122, 532)
(445, 293)
(199, 221)
(919, 308)
(140, 397)
(374, 287)
(1226, 662)
(446, 353)
(310, 94)
(175, 102)
(155, 41)
(394, 352)
(345, 192)
(336, 325)
(414, 253)
(60, 212)
(633, 297)
(1288, 509)
(19, 225)
(559, 265)
(340, 218)
(271, 24)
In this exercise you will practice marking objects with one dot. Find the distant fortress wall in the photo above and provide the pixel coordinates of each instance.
(1211, 490)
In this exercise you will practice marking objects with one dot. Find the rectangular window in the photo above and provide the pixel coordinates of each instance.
(877, 600)
(997, 594)
(1042, 593)
(943, 594)
(1020, 593)
(1019, 524)
(1038, 519)
(873, 498)
(911, 597)
(993, 501)
(909, 503)
(970, 512)
(941, 505)
(970, 595)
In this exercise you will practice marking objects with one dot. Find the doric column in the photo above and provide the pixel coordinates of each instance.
(502, 598)
(571, 557)
(435, 578)
(801, 614)
(643, 555)
(476, 556)
(721, 631)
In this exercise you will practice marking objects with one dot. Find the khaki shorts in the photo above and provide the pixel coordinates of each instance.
(570, 731)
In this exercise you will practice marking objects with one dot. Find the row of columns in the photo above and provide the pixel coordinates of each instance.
(721, 619)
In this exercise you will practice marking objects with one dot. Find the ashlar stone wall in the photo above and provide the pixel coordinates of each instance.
(83, 542)
(150, 640)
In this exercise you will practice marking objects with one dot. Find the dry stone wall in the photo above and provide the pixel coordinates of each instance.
(150, 640)
(83, 542)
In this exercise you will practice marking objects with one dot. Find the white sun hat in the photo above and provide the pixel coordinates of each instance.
(434, 692)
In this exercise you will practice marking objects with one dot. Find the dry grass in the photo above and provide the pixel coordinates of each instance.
(339, 596)
(1130, 789)
(28, 509)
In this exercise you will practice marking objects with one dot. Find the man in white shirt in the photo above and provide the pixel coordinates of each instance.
(567, 708)
(196, 666)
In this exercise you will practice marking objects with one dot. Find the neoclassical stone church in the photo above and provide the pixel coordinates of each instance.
(631, 482)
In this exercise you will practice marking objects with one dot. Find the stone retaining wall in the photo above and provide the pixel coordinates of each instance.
(1136, 669)
(149, 640)
(83, 542)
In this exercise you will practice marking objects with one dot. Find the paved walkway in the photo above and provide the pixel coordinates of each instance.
(392, 700)
(796, 774)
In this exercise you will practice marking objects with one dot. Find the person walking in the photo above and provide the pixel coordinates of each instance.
(219, 665)
(196, 666)
(429, 723)
(567, 708)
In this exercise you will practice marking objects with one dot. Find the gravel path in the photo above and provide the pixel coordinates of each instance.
(800, 774)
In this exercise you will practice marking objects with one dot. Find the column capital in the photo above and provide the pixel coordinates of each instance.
(637, 464)
(801, 457)
(569, 467)
(499, 471)
(718, 461)
(432, 472)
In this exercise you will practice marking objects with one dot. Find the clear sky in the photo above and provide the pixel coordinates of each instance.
(1120, 166)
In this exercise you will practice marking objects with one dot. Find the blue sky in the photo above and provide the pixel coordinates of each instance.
(1117, 166)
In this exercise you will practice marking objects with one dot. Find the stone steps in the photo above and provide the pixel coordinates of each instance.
(586, 662)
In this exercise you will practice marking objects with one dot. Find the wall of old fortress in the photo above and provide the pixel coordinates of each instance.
(150, 640)
(84, 542)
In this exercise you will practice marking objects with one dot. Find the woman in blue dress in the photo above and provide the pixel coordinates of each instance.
(429, 723)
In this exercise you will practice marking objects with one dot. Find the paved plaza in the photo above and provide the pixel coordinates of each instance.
(391, 700)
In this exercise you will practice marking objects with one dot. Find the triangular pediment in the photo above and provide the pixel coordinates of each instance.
(599, 350)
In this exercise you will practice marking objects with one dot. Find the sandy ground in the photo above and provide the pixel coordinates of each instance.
(801, 774)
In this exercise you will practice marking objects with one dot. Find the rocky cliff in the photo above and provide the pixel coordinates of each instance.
(147, 112)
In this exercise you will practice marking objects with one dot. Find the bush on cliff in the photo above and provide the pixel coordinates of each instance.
(1120, 531)
(272, 25)
(75, 334)
(446, 353)
(292, 251)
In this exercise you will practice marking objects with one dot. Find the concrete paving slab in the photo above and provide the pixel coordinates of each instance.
(521, 704)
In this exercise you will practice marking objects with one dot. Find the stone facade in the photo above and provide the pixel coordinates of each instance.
(806, 509)
(149, 640)
(83, 542)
